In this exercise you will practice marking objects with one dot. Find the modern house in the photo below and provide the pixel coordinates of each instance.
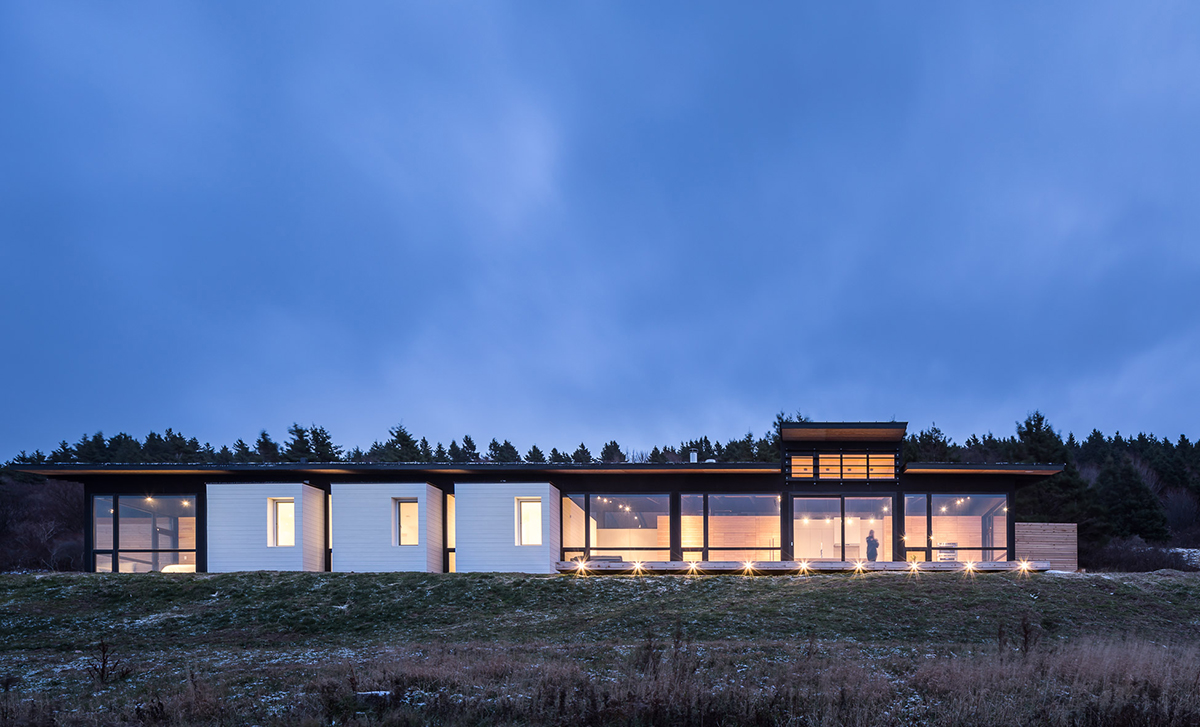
(839, 498)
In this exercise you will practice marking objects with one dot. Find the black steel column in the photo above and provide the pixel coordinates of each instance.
(676, 519)
(786, 526)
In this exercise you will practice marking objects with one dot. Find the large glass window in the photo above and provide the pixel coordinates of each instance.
(135, 534)
(969, 527)
(817, 528)
(916, 527)
(743, 527)
(691, 511)
(868, 528)
(630, 527)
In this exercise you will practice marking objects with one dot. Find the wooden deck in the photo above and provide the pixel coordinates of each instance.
(766, 568)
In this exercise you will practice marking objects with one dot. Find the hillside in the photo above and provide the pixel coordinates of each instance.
(200, 649)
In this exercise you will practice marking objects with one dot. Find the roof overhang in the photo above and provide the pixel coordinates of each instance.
(843, 431)
(67, 471)
(945, 468)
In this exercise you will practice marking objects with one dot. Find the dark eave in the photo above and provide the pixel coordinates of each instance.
(945, 468)
(843, 431)
(343, 469)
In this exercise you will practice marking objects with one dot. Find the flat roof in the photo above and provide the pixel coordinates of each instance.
(1003, 468)
(348, 468)
(843, 431)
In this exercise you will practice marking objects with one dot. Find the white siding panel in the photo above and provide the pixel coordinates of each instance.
(364, 528)
(433, 530)
(486, 516)
(238, 524)
(314, 528)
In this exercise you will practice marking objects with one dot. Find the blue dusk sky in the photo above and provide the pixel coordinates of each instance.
(565, 222)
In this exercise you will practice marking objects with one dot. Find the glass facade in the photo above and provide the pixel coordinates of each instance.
(868, 528)
(631, 527)
(138, 534)
(817, 528)
(743, 527)
(969, 527)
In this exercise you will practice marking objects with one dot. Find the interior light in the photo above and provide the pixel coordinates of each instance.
(943, 508)
(149, 499)
(885, 508)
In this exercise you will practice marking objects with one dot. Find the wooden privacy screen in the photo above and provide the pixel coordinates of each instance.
(1055, 542)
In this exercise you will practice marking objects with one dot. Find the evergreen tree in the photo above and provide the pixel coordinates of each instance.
(455, 453)
(468, 449)
(703, 448)
(92, 450)
(63, 455)
(657, 457)
(299, 447)
(556, 457)
(426, 451)
(223, 455)
(38, 457)
(155, 450)
(242, 454)
(323, 448)
(1131, 508)
(356, 455)
(440, 455)
(581, 455)
(267, 449)
(611, 453)
(535, 456)
(738, 450)
(930, 445)
(506, 452)
(400, 448)
(124, 449)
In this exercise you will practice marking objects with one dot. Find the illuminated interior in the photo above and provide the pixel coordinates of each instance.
(137, 534)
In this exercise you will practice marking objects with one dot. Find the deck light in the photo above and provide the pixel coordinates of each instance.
(859, 566)
(1024, 566)
(969, 566)
(804, 566)
(749, 565)
(637, 566)
(916, 566)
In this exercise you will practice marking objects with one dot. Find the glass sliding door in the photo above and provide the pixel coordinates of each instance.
(868, 528)
(969, 528)
(632, 528)
(817, 528)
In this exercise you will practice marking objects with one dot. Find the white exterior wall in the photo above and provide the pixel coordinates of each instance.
(486, 520)
(238, 524)
(364, 528)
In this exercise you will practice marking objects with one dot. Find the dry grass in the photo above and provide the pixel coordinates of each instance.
(262, 649)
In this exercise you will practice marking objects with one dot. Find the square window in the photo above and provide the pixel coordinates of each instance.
(529, 521)
(407, 522)
(281, 516)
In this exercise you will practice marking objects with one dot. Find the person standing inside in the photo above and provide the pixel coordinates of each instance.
(872, 546)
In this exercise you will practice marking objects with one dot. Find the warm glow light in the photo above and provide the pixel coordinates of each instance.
(637, 566)
(871, 520)
(1024, 565)
(804, 566)
(749, 565)
(943, 508)
(828, 520)
(149, 499)
(885, 508)
(186, 503)
(858, 566)
(968, 566)
(805, 521)
(916, 565)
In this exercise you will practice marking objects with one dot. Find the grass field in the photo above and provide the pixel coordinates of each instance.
(876, 649)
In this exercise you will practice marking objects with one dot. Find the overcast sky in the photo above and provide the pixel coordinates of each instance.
(555, 222)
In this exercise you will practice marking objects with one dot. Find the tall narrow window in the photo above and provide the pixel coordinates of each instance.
(407, 522)
(282, 511)
(529, 521)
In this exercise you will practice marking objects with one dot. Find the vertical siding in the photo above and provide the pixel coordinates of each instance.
(433, 529)
(486, 526)
(312, 521)
(238, 524)
(364, 528)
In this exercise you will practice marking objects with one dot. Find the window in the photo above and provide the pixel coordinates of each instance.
(407, 522)
(137, 534)
(630, 527)
(529, 521)
(281, 515)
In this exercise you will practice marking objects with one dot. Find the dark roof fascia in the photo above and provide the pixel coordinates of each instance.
(1005, 468)
(344, 468)
(844, 425)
